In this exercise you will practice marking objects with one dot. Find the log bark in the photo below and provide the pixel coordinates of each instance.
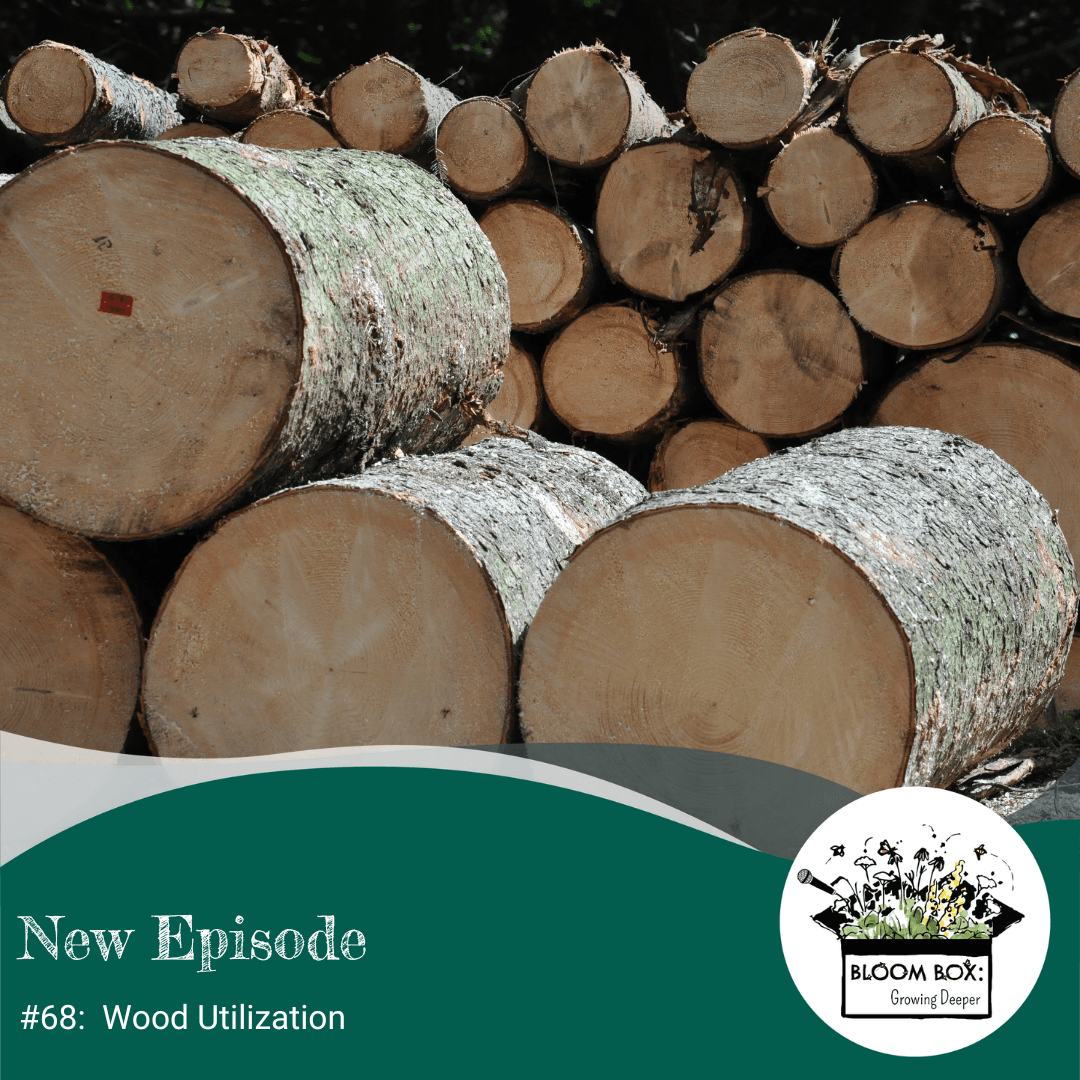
(1065, 125)
(290, 129)
(1003, 164)
(234, 78)
(1018, 401)
(385, 105)
(671, 220)
(604, 375)
(70, 639)
(209, 321)
(779, 355)
(61, 95)
(384, 608)
(1049, 258)
(583, 107)
(698, 451)
(922, 277)
(520, 401)
(910, 102)
(1067, 697)
(483, 149)
(750, 89)
(878, 607)
(550, 262)
(195, 131)
(820, 189)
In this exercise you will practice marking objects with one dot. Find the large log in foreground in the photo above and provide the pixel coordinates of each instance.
(70, 639)
(188, 320)
(879, 607)
(1020, 402)
(386, 608)
(60, 95)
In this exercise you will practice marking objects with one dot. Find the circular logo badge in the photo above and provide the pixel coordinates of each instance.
(914, 921)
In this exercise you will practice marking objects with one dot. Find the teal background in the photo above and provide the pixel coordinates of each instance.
(513, 929)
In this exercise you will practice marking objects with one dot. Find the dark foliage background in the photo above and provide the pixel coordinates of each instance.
(479, 46)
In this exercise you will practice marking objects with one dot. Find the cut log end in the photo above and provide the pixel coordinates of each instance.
(49, 90)
(548, 261)
(250, 639)
(749, 89)
(909, 104)
(603, 375)
(820, 189)
(700, 451)
(521, 397)
(671, 220)
(1049, 258)
(70, 640)
(1003, 164)
(579, 107)
(1065, 124)
(216, 70)
(289, 129)
(922, 277)
(483, 147)
(740, 597)
(385, 105)
(779, 355)
(163, 431)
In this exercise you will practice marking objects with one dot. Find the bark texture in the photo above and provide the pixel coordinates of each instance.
(522, 506)
(399, 331)
(234, 78)
(62, 95)
(965, 553)
(70, 639)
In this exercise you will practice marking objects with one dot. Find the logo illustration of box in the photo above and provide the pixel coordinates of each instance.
(922, 979)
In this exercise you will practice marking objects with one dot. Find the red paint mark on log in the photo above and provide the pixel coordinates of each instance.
(114, 303)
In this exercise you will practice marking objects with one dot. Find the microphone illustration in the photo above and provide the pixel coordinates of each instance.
(806, 878)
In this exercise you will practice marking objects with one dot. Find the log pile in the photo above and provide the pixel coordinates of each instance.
(915, 266)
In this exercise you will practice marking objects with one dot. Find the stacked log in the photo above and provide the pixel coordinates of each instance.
(234, 79)
(60, 95)
(384, 608)
(809, 608)
(70, 639)
(386, 105)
